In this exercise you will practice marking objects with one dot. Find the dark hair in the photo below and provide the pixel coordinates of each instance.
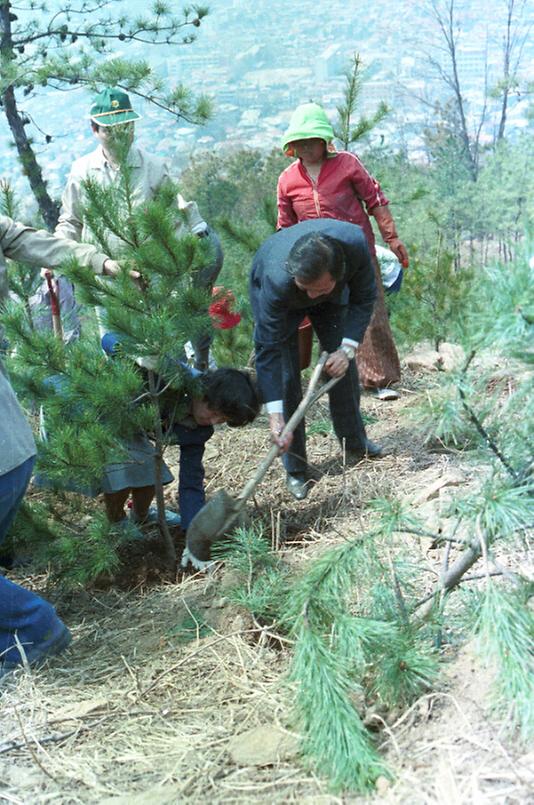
(232, 393)
(313, 255)
(95, 126)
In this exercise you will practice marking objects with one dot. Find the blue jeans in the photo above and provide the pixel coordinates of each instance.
(22, 613)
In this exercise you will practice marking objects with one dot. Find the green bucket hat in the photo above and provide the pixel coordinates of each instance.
(112, 107)
(307, 121)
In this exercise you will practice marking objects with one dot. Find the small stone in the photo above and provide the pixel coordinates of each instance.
(263, 746)
(238, 624)
(451, 356)
(382, 785)
(219, 603)
(427, 360)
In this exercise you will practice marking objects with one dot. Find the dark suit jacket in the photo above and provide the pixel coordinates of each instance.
(278, 306)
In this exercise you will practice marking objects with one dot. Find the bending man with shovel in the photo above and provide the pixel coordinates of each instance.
(319, 268)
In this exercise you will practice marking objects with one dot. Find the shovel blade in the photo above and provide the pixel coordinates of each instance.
(210, 523)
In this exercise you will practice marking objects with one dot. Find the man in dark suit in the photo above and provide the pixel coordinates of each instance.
(319, 268)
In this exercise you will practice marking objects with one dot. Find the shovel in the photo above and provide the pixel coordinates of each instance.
(222, 511)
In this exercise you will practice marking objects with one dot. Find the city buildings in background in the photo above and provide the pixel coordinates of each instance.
(258, 61)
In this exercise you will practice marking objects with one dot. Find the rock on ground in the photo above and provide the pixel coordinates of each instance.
(263, 746)
(447, 358)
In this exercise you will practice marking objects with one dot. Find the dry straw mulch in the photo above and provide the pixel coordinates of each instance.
(133, 714)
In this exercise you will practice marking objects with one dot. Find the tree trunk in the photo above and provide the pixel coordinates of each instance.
(48, 208)
(452, 577)
(158, 465)
(507, 48)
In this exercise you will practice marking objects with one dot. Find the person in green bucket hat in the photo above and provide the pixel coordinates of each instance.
(323, 183)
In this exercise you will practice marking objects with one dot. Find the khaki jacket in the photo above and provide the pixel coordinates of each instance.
(40, 248)
(149, 174)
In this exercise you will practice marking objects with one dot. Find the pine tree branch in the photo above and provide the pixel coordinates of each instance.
(475, 577)
(477, 423)
(398, 592)
(430, 535)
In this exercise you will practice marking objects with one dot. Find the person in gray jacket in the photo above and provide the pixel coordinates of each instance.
(29, 626)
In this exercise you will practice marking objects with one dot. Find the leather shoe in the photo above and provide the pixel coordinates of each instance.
(297, 486)
(369, 450)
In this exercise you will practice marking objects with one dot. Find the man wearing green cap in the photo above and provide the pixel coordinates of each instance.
(112, 108)
(112, 112)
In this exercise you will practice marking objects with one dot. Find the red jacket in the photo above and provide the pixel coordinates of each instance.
(342, 188)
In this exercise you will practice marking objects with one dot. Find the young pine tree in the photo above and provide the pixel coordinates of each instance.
(95, 406)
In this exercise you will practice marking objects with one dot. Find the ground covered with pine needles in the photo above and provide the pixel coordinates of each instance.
(163, 677)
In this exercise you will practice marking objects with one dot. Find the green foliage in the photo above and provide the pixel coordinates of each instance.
(505, 629)
(345, 130)
(335, 736)
(435, 298)
(8, 202)
(500, 508)
(262, 585)
(402, 670)
(482, 405)
(320, 426)
(96, 407)
(54, 63)
(338, 656)
(502, 318)
(76, 555)
(441, 419)
(237, 193)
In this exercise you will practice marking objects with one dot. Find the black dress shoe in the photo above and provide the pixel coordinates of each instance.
(297, 485)
(370, 450)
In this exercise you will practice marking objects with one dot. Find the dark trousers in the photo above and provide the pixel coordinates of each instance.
(344, 398)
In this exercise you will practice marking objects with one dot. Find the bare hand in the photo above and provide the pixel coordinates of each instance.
(337, 363)
(276, 425)
(399, 250)
(111, 268)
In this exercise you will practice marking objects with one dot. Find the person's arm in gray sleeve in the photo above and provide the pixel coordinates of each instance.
(38, 247)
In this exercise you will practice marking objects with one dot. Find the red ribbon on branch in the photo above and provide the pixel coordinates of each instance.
(220, 311)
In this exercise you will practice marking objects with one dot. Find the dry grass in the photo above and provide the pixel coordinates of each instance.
(133, 714)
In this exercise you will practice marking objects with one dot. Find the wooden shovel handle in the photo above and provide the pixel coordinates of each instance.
(310, 397)
(54, 306)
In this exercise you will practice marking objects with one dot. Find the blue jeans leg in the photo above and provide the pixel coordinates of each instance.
(22, 613)
(13, 486)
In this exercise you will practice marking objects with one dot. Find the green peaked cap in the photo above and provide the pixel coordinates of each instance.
(307, 121)
(111, 107)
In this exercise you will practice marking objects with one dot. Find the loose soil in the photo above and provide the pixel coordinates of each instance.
(164, 675)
